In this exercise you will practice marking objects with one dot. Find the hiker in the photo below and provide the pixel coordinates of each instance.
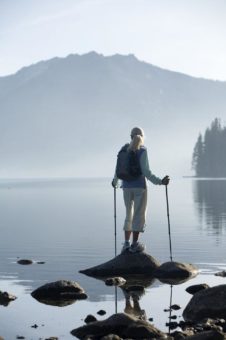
(135, 187)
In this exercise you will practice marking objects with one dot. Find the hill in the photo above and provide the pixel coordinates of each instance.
(69, 116)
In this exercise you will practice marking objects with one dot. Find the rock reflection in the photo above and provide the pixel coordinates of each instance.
(210, 199)
(58, 302)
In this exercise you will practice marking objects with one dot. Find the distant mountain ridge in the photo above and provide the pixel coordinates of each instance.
(68, 116)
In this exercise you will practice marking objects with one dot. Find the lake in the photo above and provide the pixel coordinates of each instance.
(69, 224)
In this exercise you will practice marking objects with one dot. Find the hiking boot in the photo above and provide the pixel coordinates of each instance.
(126, 246)
(137, 247)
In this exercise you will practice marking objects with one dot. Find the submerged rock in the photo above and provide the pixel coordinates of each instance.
(177, 270)
(175, 307)
(101, 312)
(207, 303)
(122, 325)
(196, 288)
(6, 298)
(125, 264)
(24, 261)
(59, 293)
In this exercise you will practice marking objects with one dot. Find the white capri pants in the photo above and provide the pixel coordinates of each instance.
(136, 204)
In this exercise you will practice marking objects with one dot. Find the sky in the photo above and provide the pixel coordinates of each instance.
(187, 36)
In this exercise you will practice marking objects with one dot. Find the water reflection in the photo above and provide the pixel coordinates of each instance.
(134, 290)
(210, 199)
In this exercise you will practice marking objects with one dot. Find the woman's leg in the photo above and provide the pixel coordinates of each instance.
(140, 207)
(129, 204)
(127, 235)
(135, 236)
(139, 218)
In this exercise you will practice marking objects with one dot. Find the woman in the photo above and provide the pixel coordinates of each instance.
(135, 193)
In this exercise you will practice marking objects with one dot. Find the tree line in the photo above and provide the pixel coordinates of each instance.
(209, 154)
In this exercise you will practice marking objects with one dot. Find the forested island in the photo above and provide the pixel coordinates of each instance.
(209, 155)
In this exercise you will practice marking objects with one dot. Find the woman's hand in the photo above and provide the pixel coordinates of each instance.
(165, 180)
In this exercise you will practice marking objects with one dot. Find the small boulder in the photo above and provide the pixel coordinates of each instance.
(115, 281)
(59, 291)
(122, 325)
(207, 303)
(196, 288)
(177, 270)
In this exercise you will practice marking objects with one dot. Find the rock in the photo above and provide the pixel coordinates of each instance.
(208, 335)
(20, 337)
(52, 338)
(1, 338)
(173, 317)
(34, 326)
(122, 325)
(171, 270)
(24, 262)
(222, 274)
(196, 288)
(101, 312)
(6, 298)
(59, 293)
(175, 307)
(90, 318)
(125, 264)
(115, 281)
(40, 262)
(207, 303)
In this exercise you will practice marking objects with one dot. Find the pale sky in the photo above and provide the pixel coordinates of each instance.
(188, 36)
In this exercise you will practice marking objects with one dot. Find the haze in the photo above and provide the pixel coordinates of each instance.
(91, 101)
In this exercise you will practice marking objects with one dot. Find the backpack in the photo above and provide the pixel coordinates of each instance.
(128, 164)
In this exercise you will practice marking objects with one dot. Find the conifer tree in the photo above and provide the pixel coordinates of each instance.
(209, 157)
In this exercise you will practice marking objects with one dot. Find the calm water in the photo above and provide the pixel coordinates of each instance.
(69, 224)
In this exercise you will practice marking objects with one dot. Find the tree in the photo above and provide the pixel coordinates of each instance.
(209, 159)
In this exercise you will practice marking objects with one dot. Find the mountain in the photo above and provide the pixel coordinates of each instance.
(69, 116)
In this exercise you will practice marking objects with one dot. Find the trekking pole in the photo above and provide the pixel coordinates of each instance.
(170, 244)
(115, 231)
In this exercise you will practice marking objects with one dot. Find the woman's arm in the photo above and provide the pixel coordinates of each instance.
(144, 164)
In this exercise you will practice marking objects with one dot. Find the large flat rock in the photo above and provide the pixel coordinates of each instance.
(121, 324)
(125, 264)
(59, 293)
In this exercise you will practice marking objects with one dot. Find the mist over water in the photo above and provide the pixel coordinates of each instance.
(69, 224)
